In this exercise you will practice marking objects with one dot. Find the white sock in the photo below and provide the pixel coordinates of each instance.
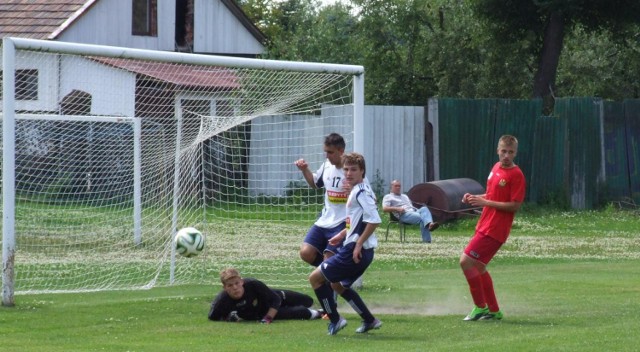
(314, 313)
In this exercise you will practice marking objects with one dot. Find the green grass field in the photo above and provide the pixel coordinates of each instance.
(566, 281)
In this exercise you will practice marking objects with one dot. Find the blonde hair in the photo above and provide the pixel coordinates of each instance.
(508, 139)
(228, 274)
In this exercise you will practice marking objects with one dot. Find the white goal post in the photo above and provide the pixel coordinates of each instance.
(108, 151)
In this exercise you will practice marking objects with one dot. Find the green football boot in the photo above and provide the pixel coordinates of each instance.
(492, 316)
(476, 313)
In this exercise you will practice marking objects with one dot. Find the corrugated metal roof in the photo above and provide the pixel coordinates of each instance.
(39, 19)
(178, 74)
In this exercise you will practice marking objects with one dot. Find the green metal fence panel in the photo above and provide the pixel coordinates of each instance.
(469, 131)
(518, 118)
(585, 169)
(547, 182)
(632, 121)
(615, 155)
(588, 147)
(466, 138)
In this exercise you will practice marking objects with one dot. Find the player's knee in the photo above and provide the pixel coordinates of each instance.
(316, 279)
(336, 286)
(306, 256)
(465, 262)
(313, 259)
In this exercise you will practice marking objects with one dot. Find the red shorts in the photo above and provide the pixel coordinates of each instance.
(482, 248)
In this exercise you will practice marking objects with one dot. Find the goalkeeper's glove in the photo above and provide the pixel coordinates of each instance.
(233, 317)
(266, 320)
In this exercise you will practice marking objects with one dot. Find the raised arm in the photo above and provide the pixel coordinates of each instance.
(303, 166)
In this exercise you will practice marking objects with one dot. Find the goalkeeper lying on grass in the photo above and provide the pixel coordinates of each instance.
(251, 299)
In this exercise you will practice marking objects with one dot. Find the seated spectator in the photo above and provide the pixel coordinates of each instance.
(250, 299)
(401, 206)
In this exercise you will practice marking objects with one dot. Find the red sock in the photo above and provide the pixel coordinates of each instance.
(475, 286)
(489, 293)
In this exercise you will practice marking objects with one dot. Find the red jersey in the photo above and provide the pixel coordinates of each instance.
(503, 185)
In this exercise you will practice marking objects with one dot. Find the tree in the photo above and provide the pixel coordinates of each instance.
(274, 17)
(303, 30)
(413, 50)
(546, 22)
(396, 36)
(593, 64)
(318, 34)
(466, 62)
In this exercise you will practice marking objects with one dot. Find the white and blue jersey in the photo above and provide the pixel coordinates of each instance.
(335, 195)
(361, 210)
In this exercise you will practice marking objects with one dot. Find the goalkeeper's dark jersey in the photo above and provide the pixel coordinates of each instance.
(253, 305)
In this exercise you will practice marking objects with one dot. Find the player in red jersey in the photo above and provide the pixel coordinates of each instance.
(504, 195)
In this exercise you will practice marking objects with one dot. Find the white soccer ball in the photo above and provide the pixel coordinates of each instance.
(189, 242)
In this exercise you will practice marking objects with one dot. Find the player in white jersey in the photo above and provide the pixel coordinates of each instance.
(329, 176)
(356, 253)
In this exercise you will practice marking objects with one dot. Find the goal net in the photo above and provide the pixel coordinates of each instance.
(107, 152)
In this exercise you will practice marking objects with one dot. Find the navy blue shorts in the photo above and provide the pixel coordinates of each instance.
(341, 267)
(319, 238)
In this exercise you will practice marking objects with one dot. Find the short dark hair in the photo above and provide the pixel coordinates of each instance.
(335, 140)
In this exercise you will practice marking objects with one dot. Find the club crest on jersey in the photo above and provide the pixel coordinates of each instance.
(502, 182)
(348, 221)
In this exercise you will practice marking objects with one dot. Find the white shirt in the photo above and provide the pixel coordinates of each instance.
(361, 210)
(398, 200)
(335, 195)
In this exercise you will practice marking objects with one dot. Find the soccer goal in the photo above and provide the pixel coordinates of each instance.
(107, 152)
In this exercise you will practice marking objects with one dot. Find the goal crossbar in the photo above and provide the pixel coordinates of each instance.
(195, 59)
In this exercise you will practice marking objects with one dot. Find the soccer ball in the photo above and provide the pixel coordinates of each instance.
(189, 242)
